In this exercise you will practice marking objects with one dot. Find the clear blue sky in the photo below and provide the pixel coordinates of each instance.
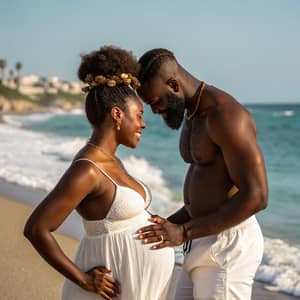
(249, 48)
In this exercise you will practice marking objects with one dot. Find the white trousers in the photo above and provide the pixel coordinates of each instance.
(222, 266)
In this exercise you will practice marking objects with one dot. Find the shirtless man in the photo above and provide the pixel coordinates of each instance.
(225, 185)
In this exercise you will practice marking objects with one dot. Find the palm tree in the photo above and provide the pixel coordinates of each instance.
(11, 74)
(18, 66)
(3, 65)
(44, 83)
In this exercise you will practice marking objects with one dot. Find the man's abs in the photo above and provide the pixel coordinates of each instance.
(206, 188)
(207, 182)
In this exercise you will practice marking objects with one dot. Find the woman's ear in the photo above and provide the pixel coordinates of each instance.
(117, 115)
(173, 84)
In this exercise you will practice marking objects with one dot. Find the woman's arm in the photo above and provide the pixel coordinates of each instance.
(79, 180)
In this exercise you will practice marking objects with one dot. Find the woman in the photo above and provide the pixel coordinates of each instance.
(110, 262)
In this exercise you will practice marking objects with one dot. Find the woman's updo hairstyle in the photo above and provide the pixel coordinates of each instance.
(110, 73)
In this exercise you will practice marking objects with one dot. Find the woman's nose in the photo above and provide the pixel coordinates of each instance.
(144, 124)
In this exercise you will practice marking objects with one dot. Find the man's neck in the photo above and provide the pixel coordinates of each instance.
(190, 86)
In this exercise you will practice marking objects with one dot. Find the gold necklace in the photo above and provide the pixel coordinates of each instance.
(100, 149)
(190, 116)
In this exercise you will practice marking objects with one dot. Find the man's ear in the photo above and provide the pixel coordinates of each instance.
(173, 84)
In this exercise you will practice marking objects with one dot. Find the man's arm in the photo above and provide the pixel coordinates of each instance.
(179, 217)
(234, 133)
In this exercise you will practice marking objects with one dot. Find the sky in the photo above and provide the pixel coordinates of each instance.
(248, 48)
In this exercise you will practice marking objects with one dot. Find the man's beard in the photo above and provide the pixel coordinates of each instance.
(175, 111)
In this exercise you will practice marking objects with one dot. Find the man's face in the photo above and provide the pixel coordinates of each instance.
(164, 102)
(174, 114)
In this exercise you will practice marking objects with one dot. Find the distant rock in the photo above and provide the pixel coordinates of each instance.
(16, 106)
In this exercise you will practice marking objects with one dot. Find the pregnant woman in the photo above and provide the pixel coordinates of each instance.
(111, 263)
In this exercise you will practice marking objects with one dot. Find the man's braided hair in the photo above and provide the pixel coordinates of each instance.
(151, 62)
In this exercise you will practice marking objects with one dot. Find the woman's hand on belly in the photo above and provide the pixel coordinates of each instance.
(99, 282)
(163, 232)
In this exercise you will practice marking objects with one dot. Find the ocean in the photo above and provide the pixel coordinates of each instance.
(36, 149)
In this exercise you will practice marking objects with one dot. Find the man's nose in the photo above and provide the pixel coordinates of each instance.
(155, 109)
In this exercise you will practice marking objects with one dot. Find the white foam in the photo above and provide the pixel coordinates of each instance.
(24, 161)
(12, 121)
(252, 110)
(23, 120)
(285, 113)
(153, 177)
(77, 111)
(280, 267)
(66, 150)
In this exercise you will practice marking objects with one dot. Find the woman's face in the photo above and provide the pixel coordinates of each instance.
(132, 122)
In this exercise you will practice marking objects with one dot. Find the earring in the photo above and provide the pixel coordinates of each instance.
(118, 127)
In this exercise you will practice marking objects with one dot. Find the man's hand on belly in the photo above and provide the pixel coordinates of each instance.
(165, 233)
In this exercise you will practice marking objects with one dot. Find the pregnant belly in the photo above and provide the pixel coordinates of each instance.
(119, 247)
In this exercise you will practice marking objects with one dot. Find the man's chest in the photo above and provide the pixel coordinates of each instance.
(195, 144)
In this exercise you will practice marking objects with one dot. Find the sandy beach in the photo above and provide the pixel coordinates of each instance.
(25, 275)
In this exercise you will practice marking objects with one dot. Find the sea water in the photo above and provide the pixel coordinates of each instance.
(36, 149)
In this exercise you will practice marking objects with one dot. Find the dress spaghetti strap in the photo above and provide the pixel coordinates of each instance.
(102, 171)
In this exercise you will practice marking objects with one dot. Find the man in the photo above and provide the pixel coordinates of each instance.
(224, 187)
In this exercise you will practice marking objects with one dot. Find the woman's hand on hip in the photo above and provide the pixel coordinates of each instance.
(98, 281)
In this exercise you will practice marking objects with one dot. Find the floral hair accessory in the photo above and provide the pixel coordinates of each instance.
(112, 81)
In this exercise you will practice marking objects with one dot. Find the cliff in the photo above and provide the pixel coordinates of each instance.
(12, 101)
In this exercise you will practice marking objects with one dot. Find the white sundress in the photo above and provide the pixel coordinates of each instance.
(143, 274)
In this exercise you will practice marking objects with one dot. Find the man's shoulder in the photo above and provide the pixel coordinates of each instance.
(228, 116)
(228, 110)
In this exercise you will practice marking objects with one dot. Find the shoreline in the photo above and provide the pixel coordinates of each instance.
(24, 267)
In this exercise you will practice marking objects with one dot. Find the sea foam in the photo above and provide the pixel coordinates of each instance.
(280, 267)
(285, 113)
